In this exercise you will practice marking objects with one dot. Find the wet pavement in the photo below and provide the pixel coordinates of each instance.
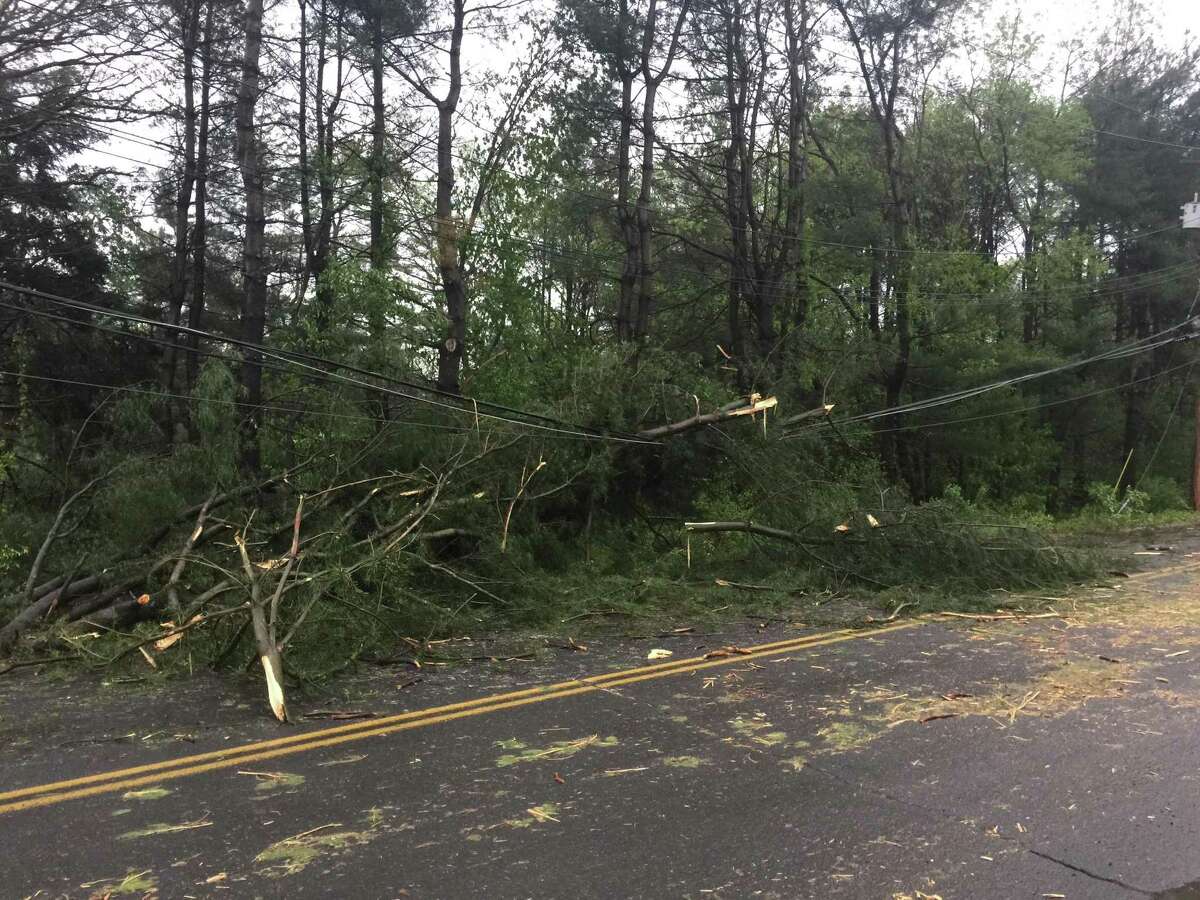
(1053, 757)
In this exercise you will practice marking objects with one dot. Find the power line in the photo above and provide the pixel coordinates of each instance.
(476, 408)
(1134, 348)
(191, 398)
(209, 354)
(1036, 406)
(1174, 407)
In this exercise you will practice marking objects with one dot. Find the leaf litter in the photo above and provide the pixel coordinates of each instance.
(558, 750)
(270, 781)
(152, 793)
(141, 883)
(164, 828)
(294, 854)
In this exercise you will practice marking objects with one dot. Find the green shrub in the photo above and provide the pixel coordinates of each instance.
(1107, 500)
(1164, 494)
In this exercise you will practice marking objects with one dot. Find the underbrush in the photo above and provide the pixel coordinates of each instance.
(407, 535)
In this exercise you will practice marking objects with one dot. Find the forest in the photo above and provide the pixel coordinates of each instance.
(333, 328)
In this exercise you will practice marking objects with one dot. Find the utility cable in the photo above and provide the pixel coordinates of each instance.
(464, 405)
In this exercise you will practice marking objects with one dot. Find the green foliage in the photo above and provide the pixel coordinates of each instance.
(1007, 221)
(216, 420)
(1109, 500)
(1164, 495)
(8, 555)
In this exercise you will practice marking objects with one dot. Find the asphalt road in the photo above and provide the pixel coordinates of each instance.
(1037, 757)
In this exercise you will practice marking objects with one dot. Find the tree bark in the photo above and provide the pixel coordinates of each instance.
(254, 270)
(651, 81)
(378, 125)
(744, 406)
(318, 234)
(626, 217)
(189, 27)
(793, 258)
(736, 86)
(452, 349)
(199, 248)
(746, 527)
(40, 608)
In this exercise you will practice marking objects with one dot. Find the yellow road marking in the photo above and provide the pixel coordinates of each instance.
(1163, 573)
(150, 773)
(73, 789)
(371, 724)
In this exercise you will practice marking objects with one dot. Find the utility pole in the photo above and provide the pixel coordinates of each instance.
(1191, 221)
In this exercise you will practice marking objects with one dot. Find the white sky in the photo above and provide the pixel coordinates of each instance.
(1054, 21)
(1066, 19)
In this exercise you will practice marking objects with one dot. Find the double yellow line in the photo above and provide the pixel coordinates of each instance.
(182, 767)
(229, 757)
(1164, 573)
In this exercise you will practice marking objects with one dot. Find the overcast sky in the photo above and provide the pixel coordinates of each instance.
(1061, 20)
(1054, 21)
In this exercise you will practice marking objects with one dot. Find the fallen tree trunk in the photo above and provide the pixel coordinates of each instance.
(91, 603)
(87, 595)
(122, 613)
(41, 608)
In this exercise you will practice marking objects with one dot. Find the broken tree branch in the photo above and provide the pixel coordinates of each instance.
(747, 527)
(810, 414)
(268, 652)
(173, 603)
(745, 406)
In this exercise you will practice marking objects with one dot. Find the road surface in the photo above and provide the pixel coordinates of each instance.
(1052, 757)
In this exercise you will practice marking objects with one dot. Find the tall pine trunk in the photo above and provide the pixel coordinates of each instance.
(199, 248)
(189, 27)
(254, 266)
(452, 348)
